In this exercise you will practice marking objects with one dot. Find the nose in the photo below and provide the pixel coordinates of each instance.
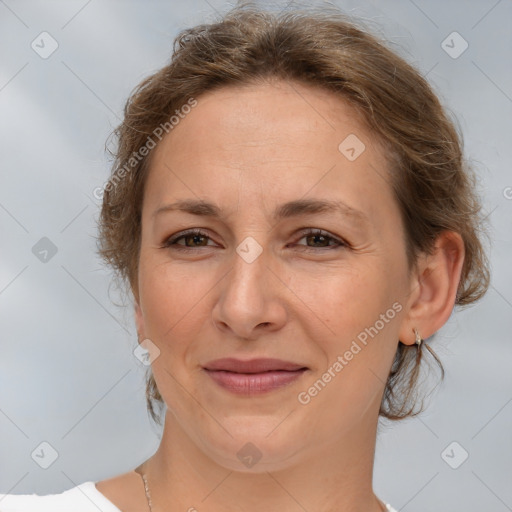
(251, 299)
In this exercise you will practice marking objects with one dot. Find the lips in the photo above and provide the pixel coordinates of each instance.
(252, 365)
(253, 376)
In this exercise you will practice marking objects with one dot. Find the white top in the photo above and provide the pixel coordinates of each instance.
(82, 498)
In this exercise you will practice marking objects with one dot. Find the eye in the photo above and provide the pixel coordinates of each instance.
(195, 238)
(192, 237)
(317, 236)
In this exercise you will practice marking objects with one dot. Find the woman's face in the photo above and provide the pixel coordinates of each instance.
(257, 284)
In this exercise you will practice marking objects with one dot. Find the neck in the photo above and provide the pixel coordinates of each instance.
(337, 477)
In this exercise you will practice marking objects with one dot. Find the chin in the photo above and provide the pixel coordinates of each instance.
(257, 445)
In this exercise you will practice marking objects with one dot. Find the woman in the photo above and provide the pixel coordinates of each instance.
(291, 209)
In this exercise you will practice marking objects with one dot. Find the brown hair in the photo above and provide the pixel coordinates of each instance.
(432, 182)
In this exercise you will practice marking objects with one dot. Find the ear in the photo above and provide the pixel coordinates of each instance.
(434, 288)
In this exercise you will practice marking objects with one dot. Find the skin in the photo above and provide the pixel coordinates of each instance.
(249, 149)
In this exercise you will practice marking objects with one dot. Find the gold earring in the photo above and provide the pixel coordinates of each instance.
(419, 340)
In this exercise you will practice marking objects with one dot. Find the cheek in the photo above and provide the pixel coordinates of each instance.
(171, 300)
(356, 365)
(344, 300)
(174, 314)
(360, 311)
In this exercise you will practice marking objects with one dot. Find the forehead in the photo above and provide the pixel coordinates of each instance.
(271, 142)
(277, 112)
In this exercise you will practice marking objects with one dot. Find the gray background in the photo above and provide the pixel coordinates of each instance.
(67, 372)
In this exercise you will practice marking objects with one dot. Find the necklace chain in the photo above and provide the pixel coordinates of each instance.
(148, 494)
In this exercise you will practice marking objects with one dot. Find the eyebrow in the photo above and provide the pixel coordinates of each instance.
(290, 209)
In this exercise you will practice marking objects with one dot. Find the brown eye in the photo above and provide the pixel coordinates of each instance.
(193, 238)
(320, 240)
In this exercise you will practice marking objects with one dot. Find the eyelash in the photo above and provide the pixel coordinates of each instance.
(171, 241)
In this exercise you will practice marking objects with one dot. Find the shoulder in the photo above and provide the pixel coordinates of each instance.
(82, 498)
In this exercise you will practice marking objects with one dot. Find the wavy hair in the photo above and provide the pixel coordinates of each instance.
(433, 184)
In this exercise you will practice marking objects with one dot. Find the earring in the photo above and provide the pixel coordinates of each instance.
(419, 340)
